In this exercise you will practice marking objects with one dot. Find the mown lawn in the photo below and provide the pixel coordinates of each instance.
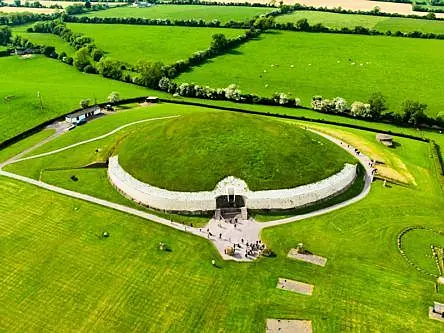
(59, 275)
(61, 88)
(336, 20)
(151, 43)
(188, 12)
(307, 64)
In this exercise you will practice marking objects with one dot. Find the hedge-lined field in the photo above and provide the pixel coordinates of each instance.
(350, 66)
(381, 23)
(61, 88)
(188, 12)
(44, 39)
(69, 278)
(151, 43)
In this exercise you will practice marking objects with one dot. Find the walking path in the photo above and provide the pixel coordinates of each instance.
(221, 233)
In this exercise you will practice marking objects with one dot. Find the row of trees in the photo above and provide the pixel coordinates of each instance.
(23, 18)
(230, 93)
(262, 23)
(411, 112)
(304, 25)
(163, 22)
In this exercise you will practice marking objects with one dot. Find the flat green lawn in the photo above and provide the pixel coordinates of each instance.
(195, 152)
(188, 12)
(44, 39)
(350, 66)
(57, 275)
(335, 20)
(61, 88)
(151, 43)
(416, 245)
(21, 145)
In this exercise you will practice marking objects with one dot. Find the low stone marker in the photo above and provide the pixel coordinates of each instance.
(288, 326)
(310, 258)
(295, 286)
(441, 280)
(436, 311)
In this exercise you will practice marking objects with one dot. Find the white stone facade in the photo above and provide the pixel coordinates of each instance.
(162, 199)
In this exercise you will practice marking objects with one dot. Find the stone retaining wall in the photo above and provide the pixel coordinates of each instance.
(162, 199)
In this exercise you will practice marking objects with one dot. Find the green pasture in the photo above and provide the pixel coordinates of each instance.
(180, 12)
(44, 39)
(61, 88)
(167, 44)
(69, 278)
(381, 23)
(353, 67)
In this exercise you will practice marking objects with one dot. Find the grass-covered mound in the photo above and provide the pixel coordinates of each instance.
(194, 152)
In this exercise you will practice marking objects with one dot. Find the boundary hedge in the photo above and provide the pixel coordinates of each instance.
(8, 142)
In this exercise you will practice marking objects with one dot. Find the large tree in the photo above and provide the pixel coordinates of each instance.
(150, 74)
(5, 35)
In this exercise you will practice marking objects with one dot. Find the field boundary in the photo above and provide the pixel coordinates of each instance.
(8, 142)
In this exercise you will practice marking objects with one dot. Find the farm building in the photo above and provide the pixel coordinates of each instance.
(78, 116)
(385, 139)
(152, 99)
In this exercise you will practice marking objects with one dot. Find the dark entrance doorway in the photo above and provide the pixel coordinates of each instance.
(230, 205)
(230, 201)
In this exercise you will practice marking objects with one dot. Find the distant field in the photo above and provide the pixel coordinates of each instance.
(151, 43)
(182, 12)
(29, 10)
(334, 20)
(44, 39)
(61, 88)
(62, 3)
(350, 66)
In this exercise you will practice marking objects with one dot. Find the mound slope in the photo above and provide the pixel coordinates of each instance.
(194, 152)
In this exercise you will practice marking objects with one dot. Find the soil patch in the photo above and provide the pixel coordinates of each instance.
(295, 286)
(311, 258)
(288, 326)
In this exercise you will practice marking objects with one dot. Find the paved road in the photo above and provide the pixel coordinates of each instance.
(222, 234)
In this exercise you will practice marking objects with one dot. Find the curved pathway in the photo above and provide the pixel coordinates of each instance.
(100, 137)
(219, 232)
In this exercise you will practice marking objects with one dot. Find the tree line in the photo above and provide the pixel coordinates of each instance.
(262, 22)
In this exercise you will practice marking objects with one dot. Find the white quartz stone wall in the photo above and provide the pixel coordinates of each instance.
(206, 200)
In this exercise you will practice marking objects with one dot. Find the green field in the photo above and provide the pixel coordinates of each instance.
(151, 43)
(188, 12)
(61, 88)
(335, 20)
(44, 39)
(350, 66)
(77, 281)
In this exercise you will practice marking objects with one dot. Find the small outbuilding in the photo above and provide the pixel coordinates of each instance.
(83, 115)
(385, 139)
(152, 99)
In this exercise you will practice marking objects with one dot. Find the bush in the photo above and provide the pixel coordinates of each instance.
(268, 253)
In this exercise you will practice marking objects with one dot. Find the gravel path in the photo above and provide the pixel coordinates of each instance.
(221, 233)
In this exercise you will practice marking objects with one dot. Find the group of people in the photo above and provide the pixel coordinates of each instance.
(253, 248)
